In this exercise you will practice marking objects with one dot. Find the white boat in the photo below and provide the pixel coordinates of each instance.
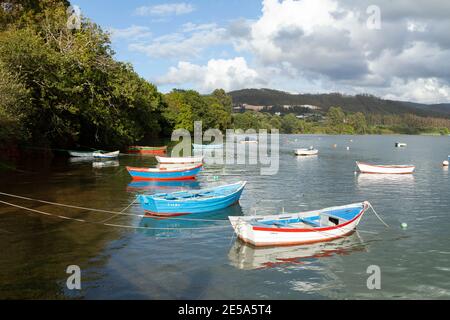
(81, 154)
(306, 151)
(179, 160)
(248, 141)
(385, 169)
(400, 144)
(299, 228)
(106, 155)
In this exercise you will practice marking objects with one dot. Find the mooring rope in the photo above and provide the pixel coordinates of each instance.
(107, 224)
(107, 211)
(376, 214)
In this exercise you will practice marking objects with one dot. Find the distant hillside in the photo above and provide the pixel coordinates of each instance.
(363, 103)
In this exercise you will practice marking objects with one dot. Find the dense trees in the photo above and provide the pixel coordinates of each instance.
(73, 92)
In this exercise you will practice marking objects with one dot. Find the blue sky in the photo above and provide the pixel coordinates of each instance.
(393, 50)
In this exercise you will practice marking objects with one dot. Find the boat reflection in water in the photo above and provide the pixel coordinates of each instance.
(189, 225)
(105, 164)
(368, 179)
(162, 186)
(246, 257)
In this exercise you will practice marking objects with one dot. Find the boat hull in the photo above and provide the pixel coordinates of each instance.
(107, 155)
(207, 146)
(379, 169)
(179, 160)
(147, 150)
(187, 173)
(259, 236)
(169, 208)
(306, 152)
(79, 154)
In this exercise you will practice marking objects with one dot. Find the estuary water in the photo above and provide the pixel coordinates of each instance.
(144, 258)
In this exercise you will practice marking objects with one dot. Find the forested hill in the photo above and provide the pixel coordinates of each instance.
(359, 103)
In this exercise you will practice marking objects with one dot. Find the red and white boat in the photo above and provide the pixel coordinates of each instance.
(385, 169)
(299, 228)
(179, 160)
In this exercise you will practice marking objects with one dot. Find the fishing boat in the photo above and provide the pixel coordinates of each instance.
(385, 169)
(192, 201)
(179, 160)
(208, 146)
(162, 174)
(400, 144)
(306, 151)
(105, 155)
(147, 150)
(299, 228)
(81, 154)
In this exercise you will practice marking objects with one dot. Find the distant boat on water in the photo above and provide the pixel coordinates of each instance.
(147, 150)
(180, 160)
(400, 144)
(207, 146)
(162, 174)
(306, 151)
(385, 169)
(105, 155)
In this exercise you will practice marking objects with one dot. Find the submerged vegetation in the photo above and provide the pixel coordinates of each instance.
(60, 87)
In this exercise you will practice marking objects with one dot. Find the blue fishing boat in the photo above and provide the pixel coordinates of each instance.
(165, 173)
(192, 201)
(211, 146)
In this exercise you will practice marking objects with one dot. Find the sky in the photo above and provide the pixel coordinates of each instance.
(393, 49)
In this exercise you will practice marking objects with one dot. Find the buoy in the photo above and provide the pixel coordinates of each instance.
(348, 148)
(445, 163)
(404, 225)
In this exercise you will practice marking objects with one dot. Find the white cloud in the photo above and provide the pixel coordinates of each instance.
(228, 74)
(426, 90)
(190, 42)
(326, 43)
(165, 9)
(131, 33)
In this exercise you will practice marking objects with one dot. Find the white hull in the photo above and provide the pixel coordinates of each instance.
(306, 152)
(81, 154)
(106, 155)
(263, 237)
(179, 160)
(381, 169)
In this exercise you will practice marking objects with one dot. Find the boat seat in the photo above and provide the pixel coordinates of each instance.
(311, 221)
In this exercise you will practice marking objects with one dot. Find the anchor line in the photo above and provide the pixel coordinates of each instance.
(106, 224)
(107, 211)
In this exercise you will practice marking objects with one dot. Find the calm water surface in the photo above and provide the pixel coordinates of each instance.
(188, 259)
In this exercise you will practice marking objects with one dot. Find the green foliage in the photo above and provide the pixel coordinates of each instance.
(78, 93)
(183, 107)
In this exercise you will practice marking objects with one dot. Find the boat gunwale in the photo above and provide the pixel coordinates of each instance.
(317, 229)
(242, 183)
